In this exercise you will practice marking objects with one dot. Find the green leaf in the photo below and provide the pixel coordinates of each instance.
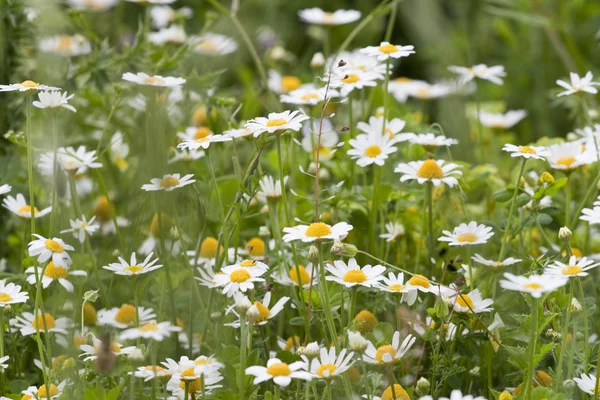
(544, 219)
(555, 186)
(503, 195)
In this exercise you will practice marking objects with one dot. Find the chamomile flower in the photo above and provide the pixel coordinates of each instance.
(51, 248)
(495, 264)
(578, 84)
(370, 149)
(11, 294)
(328, 364)
(281, 84)
(195, 387)
(393, 284)
(162, 16)
(168, 182)
(54, 99)
(434, 171)
(568, 156)
(348, 80)
(213, 44)
(51, 274)
(455, 395)
(392, 128)
(119, 150)
(308, 94)
(280, 372)
(151, 330)
(317, 16)
(124, 316)
(574, 268)
(77, 161)
(236, 278)
(187, 155)
(471, 302)
(81, 227)
(534, 284)
(51, 392)
(389, 353)
(587, 383)
(28, 324)
(298, 275)
(592, 215)
(536, 152)
(191, 369)
(467, 234)
(133, 268)
(25, 87)
(196, 137)
(329, 138)
(6, 188)
(356, 60)
(160, 81)
(150, 372)
(352, 274)
(431, 142)
(270, 188)
(427, 91)
(393, 231)
(501, 121)
(172, 34)
(65, 45)
(386, 50)
(261, 311)
(92, 5)
(493, 74)
(17, 205)
(316, 231)
(90, 352)
(277, 122)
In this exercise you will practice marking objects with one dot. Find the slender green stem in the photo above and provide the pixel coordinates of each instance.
(532, 344)
(586, 333)
(470, 264)
(568, 200)
(374, 208)
(242, 374)
(352, 310)
(325, 298)
(512, 210)
(215, 184)
(54, 174)
(563, 344)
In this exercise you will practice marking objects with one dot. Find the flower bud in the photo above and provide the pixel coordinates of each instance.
(569, 384)
(546, 177)
(253, 314)
(242, 303)
(90, 296)
(423, 386)
(343, 249)
(575, 306)
(313, 254)
(317, 61)
(357, 342)
(136, 356)
(564, 233)
(474, 371)
(263, 231)
(312, 350)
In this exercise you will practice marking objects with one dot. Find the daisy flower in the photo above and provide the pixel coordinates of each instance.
(471, 302)
(172, 34)
(536, 285)
(386, 50)
(455, 395)
(493, 74)
(431, 142)
(436, 172)
(495, 264)
(348, 80)
(270, 189)
(568, 156)
(6, 188)
(573, 268)
(189, 369)
(133, 268)
(11, 294)
(53, 273)
(277, 122)
(328, 365)
(389, 353)
(501, 121)
(150, 372)
(92, 5)
(392, 128)
(54, 99)
(187, 155)
(329, 138)
(307, 94)
(283, 83)
(317, 16)
(281, 373)
(52, 392)
(316, 231)
(467, 234)
(578, 84)
(393, 231)
(144, 79)
(371, 149)
(536, 152)
(592, 215)
(261, 311)
(168, 182)
(235, 278)
(65, 45)
(80, 227)
(195, 387)
(352, 274)
(20, 207)
(393, 284)
(28, 324)
(357, 60)
(213, 44)
(124, 316)
(587, 383)
(119, 150)
(90, 352)
(25, 87)
(47, 249)
(152, 330)
(162, 16)
(298, 275)
(427, 91)
(77, 161)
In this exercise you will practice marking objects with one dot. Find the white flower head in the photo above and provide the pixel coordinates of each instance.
(78, 160)
(317, 231)
(54, 99)
(568, 156)
(270, 188)
(578, 84)
(81, 227)
(277, 122)
(393, 231)
(133, 268)
(18, 205)
(346, 80)
(6, 188)
(389, 353)
(280, 372)
(574, 267)
(90, 352)
(493, 74)
(160, 81)
(28, 324)
(65, 45)
(501, 121)
(352, 274)
(328, 364)
(168, 182)
(386, 50)
(172, 34)
(124, 316)
(394, 284)
(308, 94)
(434, 171)
(535, 285)
(495, 264)
(52, 273)
(467, 234)
(11, 294)
(261, 311)
(50, 249)
(236, 278)
(536, 152)
(25, 87)
(392, 128)
(430, 141)
(587, 383)
(370, 149)
(152, 330)
(317, 16)
(472, 302)
(213, 44)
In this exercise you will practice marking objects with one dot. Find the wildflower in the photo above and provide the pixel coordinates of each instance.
(393, 231)
(162, 16)
(192, 369)
(436, 172)
(357, 342)
(193, 138)
(393, 284)
(493, 74)
(358, 61)
(90, 352)
(54, 99)
(392, 128)
(11, 294)
(262, 312)
(52, 391)
(28, 324)
(386, 50)
(235, 278)
(169, 182)
(389, 353)
(172, 34)
(431, 142)
(569, 156)
(317, 60)
(283, 83)
(417, 283)
(213, 44)
(466, 235)
(93, 5)
(308, 94)
(298, 276)
(573, 268)
(242, 303)
(133, 268)
(501, 121)
(536, 152)
(5, 189)
(578, 84)
(144, 79)
(575, 306)
(270, 189)
(53, 273)
(47, 249)
(348, 80)
(79, 227)
(65, 45)
(152, 330)
(277, 122)
(495, 264)
(471, 302)
(319, 17)
(119, 150)
(195, 387)
(316, 231)
(533, 284)
(328, 365)
(77, 161)
(352, 274)
(25, 87)
(281, 373)
(125, 316)
(20, 207)
(150, 372)
(587, 383)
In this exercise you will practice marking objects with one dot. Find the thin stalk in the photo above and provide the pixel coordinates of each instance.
(586, 332)
(532, 344)
(512, 210)
(429, 196)
(215, 185)
(54, 173)
(325, 295)
(242, 374)
(563, 345)
(374, 208)
(470, 264)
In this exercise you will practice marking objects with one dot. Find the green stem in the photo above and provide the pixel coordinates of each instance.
(470, 264)
(431, 241)
(54, 173)
(512, 210)
(374, 208)
(532, 344)
(585, 317)
(242, 374)
(325, 298)
(563, 345)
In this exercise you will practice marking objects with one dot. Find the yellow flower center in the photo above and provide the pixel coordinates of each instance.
(38, 322)
(355, 276)
(419, 280)
(121, 163)
(326, 370)
(55, 272)
(194, 386)
(265, 313)
(248, 263)
(54, 246)
(26, 209)
(208, 45)
(154, 368)
(526, 150)
(27, 397)
(396, 287)
(464, 300)
(90, 316)
(239, 275)
(30, 84)
(102, 210)
(309, 96)
(291, 342)
(430, 170)
(43, 392)
(203, 362)
(289, 83)
(256, 247)
(566, 161)
(385, 354)
(5, 297)
(169, 182)
(388, 48)
(468, 237)
(126, 314)
(576, 252)
(157, 229)
(276, 122)
(202, 132)
(365, 321)
(318, 229)
(279, 369)
(572, 270)
(373, 151)
(153, 80)
(304, 278)
(188, 373)
(351, 78)
(533, 286)
(134, 269)
(422, 93)
(64, 42)
(398, 390)
(149, 327)
(403, 79)
(208, 249)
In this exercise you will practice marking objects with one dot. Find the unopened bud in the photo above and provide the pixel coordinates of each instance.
(313, 254)
(263, 231)
(357, 342)
(569, 384)
(253, 314)
(474, 371)
(343, 249)
(318, 60)
(575, 306)
(564, 233)
(522, 182)
(324, 174)
(136, 355)
(423, 386)
(312, 350)
(242, 303)
(546, 177)
(90, 296)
